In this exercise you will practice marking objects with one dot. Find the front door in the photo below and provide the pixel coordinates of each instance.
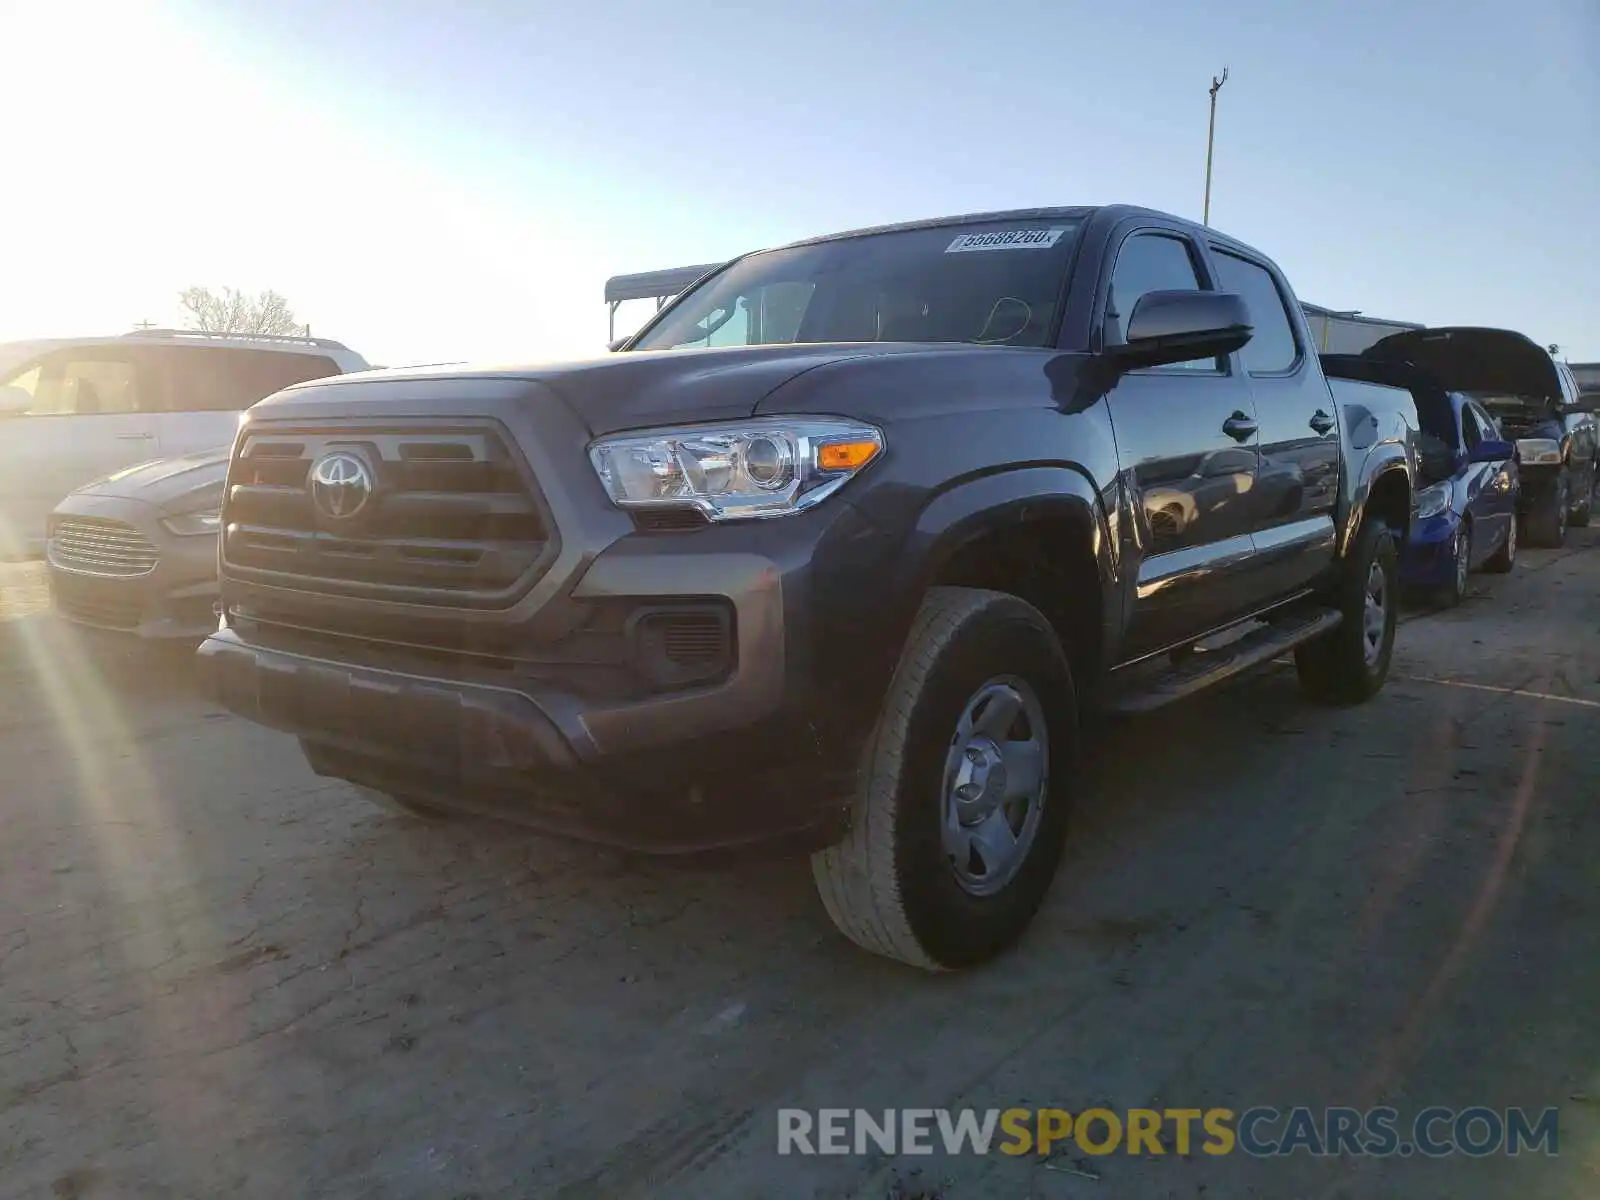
(1186, 437)
(1491, 502)
(87, 420)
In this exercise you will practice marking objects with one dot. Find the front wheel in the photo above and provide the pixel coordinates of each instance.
(1454, 592)
(1348, 664)
(959, 815)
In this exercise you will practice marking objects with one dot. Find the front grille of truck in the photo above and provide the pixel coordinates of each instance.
(453, 517)
(96, 546)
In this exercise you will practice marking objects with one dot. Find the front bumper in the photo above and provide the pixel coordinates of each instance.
(175, 601)
(1428, 557)
(734, 762)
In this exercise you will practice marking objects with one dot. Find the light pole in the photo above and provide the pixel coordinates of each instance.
(1211, 136)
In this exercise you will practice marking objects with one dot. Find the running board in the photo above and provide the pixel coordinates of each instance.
(1203, 668)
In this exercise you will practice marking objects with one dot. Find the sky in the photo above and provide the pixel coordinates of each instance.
(445, 181)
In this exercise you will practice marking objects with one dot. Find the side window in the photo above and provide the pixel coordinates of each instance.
(1273, 348)
(76, 384)
(768, 315)
(781, 308)
(1471, 431)
(1488, 430)
(1569, 384)
(1151, 262)
(218, 379)
(735, 330)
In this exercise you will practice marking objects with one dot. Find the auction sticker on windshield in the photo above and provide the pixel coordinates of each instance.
(1006, 239)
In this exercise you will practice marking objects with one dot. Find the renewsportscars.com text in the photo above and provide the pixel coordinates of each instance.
(1259, 1132)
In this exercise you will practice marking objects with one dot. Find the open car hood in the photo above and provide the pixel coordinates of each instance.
(1472, 359)
(1497, 362)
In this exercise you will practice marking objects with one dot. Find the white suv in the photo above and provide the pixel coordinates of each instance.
(75, 409)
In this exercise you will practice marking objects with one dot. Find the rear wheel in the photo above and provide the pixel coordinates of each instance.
(960, 814)
(1503, 559)
(1348, 664)
(1546, 522)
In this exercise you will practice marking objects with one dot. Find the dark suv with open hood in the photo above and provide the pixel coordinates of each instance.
(1535, 401)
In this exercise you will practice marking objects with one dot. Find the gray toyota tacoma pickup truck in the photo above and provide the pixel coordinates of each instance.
(835, 551)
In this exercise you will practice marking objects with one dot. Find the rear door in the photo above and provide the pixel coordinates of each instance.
(1297, 488)
(89, 418)
(207, 387)
(1186, 438)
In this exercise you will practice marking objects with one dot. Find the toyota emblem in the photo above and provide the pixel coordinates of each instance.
(341, 484)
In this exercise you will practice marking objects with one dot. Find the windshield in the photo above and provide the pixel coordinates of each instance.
(990, 283)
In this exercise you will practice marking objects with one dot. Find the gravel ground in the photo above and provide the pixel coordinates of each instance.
(220, 975)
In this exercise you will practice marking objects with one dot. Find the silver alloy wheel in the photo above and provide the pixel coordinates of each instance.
(1463, 559)
(1563, 498)
(1511, 541)
(1375, 613)
(996, 778)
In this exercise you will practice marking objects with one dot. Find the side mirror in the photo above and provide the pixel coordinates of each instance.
(613, 347)
(1174, 327)
(1491, 451)
(14, 402)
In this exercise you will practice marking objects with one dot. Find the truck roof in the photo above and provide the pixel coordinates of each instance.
(657, 285)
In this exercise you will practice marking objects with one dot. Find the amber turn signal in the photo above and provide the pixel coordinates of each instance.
(845, 456)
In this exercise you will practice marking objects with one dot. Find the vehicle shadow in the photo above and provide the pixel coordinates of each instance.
(336, 967)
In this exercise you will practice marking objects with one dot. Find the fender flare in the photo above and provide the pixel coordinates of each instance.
(1386, 461)
(976, 506)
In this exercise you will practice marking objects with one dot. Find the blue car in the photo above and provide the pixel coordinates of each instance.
(1468, 482)
(1467, 510)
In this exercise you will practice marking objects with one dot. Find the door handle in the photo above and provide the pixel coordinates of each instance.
(134, 437)
(1240, 427)
(1321, 422)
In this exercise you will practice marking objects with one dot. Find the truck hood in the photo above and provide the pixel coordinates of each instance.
(633, 389)
(1497, 362)
(169, 483)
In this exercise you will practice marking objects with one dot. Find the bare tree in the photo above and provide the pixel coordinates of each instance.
(232, 311)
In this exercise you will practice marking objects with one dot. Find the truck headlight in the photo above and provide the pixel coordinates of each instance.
(763, 467)
(1431, 501)
(1539, 452)
(193, 524)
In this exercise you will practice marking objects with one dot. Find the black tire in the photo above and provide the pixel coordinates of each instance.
(1337, 668)
(1503, 559)
(404, 806)
(891, 885)
(1454, 592)
(1546, 520)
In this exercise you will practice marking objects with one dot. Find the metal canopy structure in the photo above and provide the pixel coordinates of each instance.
(659, 286)
(1349, 332)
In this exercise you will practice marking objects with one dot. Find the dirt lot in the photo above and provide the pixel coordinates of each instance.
(221, 976)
